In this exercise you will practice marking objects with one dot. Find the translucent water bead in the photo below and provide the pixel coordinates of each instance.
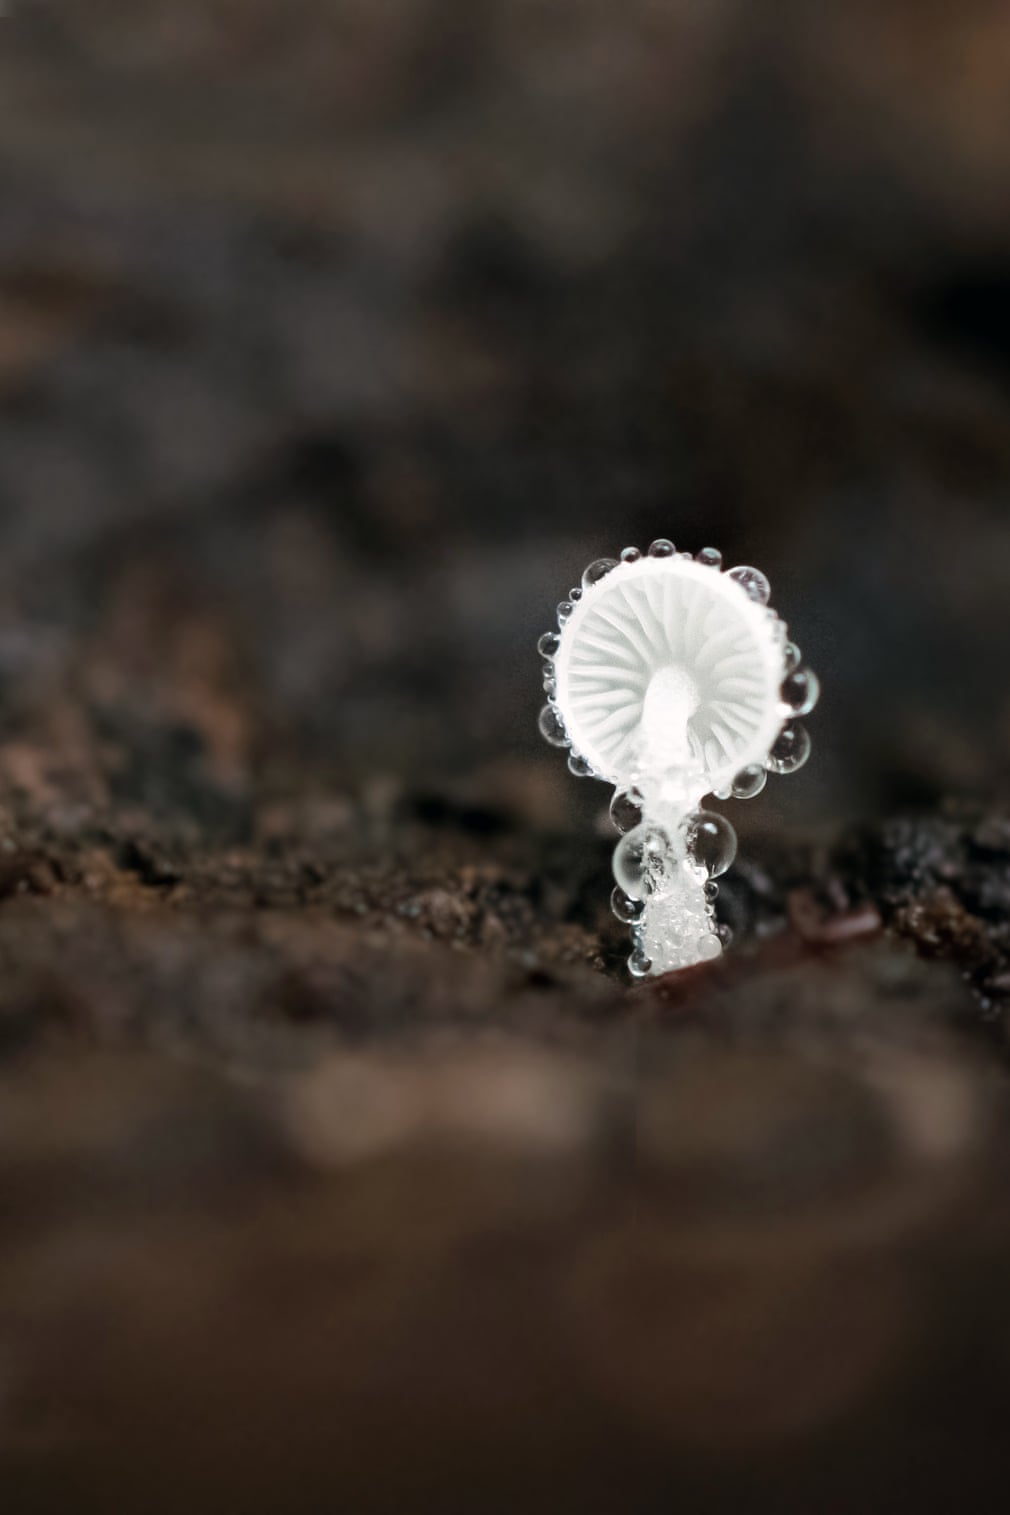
(754, 582)
(708, 946)
(749, 782)
(711, 841)
(791, 749)
(747, 785)
(710, 556)
(639, 963)
(645, 862)
(626, 809)
(625, 908)
(597, 571)
(552, 726)
(801, 690)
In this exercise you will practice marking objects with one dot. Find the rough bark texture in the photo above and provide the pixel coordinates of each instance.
(340, 1167)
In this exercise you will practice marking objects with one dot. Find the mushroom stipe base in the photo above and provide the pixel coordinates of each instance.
(672, 679)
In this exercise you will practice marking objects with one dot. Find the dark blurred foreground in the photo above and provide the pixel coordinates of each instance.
(339, 1168)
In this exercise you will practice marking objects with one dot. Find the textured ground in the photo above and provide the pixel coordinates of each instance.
(340, 1167)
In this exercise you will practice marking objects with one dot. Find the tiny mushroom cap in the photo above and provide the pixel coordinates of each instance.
(664, 655)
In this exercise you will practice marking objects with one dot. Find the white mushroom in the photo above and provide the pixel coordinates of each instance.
(671, 680)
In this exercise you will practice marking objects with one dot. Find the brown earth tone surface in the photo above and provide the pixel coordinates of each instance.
(340, 1167)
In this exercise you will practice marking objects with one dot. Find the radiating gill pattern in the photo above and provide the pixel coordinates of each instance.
(634, 629)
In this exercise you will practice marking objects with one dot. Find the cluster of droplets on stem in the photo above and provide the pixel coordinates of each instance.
(663, 684)
(666, 866)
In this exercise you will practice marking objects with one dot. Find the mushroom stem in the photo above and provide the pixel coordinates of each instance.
(679, 931)
(670, 701)
(677, 928)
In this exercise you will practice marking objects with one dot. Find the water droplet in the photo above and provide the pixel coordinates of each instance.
(548, 644)
(749, 782)
(800, 691)
(791, 749)
(724, 933)
(711, 841)
(575, 595)
(639, 963)
(711, 891)
(597, 571)
(662, 547)
(708, 947)
(631, 555)
(551, 687)
(626, 809)
(580, 767)
(644, 861)
(754, 582)
(625, 908)
(711, 557)
(793, 656)
(565, 610)
(552, 727)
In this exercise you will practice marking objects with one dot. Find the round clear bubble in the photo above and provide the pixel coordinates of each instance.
(644, 862)
(597, 571)
(549, 644)
(711, 841)
(754, 582)
(626, 809)
(575, 595)
(791, 749)
(579, 766)
(793, 656)
(801, 690)
(550, 687)
(552, 727)
(625, 908)
(565, 610)
(749, 782)
(639, 963)
(631, 555)
(708, 947)
(711, 557)
(724, 933)
(662, 547)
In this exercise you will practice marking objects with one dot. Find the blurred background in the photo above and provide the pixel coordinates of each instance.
(336, 338)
